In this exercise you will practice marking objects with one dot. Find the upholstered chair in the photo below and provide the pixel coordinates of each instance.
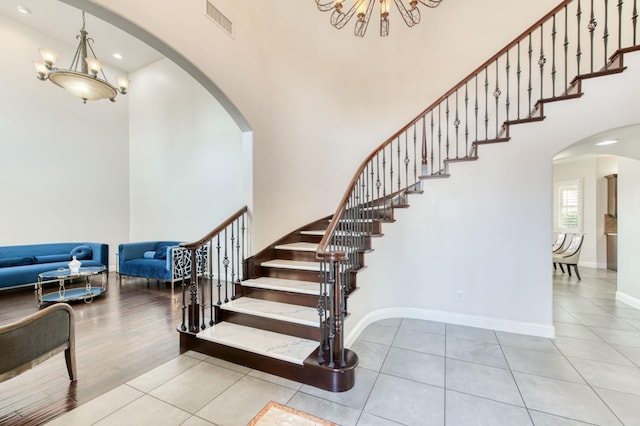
(570, 256)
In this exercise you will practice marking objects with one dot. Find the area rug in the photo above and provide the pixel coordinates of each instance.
(274, 414)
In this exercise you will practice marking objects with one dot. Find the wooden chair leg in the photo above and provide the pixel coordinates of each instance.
(70, 358)
(569, 269)
(575, 267)
(554, 267)
(561, 268)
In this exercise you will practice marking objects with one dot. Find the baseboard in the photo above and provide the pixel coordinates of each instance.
(629, 300)
(499, 324)
(594, 265)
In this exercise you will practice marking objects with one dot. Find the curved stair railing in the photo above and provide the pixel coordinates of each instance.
(578, 39)
(220, 260)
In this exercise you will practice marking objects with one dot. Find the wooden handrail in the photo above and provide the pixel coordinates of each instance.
(322, 246)
(194, 245)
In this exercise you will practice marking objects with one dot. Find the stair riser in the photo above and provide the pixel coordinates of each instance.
(290, 274)
(365, 241)
(308, 300)
(311, 373)
(382, 213)
(269, 324)
(311, 238)
(374, 227)
(306, 256)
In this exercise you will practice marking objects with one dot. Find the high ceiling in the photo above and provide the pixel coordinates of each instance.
(62, 22)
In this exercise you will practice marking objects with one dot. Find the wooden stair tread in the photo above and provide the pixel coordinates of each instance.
(299, 246)
(294, 286)
(275, 310)
(267, 343)
(292, 264)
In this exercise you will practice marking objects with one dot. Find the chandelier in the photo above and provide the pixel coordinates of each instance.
(81, 79)
(362, 9)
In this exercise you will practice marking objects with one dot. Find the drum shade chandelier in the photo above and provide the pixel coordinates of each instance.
(341, 14)
(81, 79)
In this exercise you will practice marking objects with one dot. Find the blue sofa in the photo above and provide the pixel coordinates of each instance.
(20, 265)
(158, 260)
(147, 259)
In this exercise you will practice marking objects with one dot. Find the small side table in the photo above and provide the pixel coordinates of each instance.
(86, 293)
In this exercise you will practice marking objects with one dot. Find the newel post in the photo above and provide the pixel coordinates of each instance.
(194, 314)
(335, 292)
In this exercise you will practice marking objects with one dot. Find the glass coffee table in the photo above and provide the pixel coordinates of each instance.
(64, 294)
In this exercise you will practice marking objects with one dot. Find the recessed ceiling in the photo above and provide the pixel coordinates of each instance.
(63, 22)
(628, 144)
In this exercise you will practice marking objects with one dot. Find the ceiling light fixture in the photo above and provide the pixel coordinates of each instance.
(362, 9)
(24, 9)
(81, 79)
(609, 142)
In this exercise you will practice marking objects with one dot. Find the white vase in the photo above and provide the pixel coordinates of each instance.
(74, 265)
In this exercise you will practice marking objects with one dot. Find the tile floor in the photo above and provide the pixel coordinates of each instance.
(415, 372)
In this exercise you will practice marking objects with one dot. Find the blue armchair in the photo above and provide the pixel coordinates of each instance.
(161, 260)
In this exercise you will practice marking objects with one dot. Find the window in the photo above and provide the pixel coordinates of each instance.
(568, 206)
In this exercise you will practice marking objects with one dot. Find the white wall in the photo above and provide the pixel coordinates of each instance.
(186, 157)
(486, 230)
(312, 93)
(628, 231)
(63, 164)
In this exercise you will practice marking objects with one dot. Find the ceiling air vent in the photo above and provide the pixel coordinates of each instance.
(219, 18)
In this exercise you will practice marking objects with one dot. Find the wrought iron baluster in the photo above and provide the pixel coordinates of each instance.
(579, 42)
(634, 19)
(446, 115)
(508, 95)
(321, 311)
(183, 326)
(592, 27)
(238, 260)
(209, 266)
(486, 103)
(553, 57)
(384, 174)
(194, 271)
(496, 94)
(456, 124)
(424, 142)
(476, 107)
(518, 78)
(620, 3)
(225, 264)
(605, 36)
(406, 160)
(542, 60)
(566, 50)
(233, 263)
(466, 119)
(399, 167)
(218, 252)
(439, 139)
(415, 154)
(530, 86)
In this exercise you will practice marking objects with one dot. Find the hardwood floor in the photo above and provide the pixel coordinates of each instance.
(126, 332)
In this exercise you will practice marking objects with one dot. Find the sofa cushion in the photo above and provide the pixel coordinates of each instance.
(52, 258)
(149, 254)
(161, 250)
(16, 261)
(82, 252)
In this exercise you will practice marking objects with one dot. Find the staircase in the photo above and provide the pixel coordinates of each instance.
(282, 310)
